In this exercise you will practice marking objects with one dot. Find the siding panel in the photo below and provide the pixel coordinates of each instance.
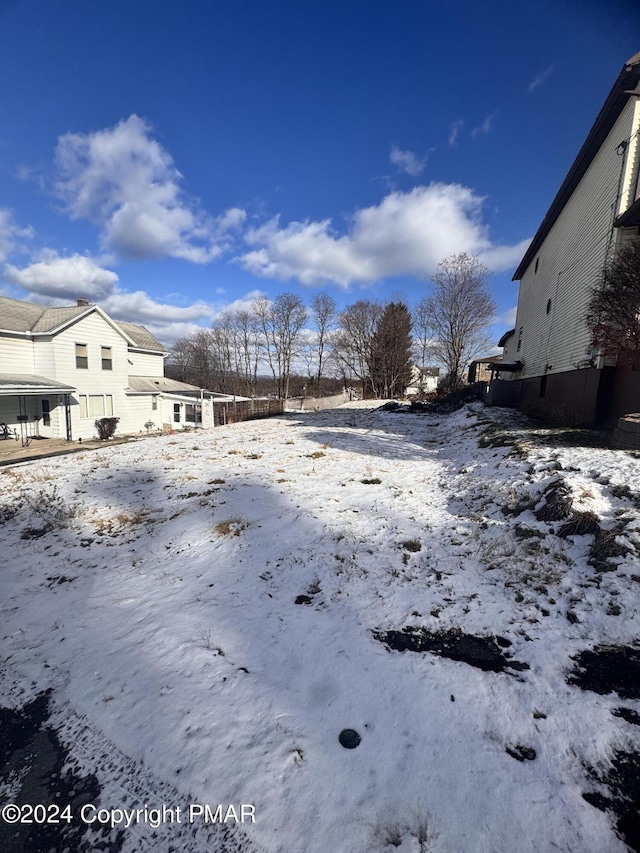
(569, 264)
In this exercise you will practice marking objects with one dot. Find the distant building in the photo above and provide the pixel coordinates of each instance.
(480, 369)
(424, 380)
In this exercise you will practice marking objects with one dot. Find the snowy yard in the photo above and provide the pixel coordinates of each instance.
(211, 610)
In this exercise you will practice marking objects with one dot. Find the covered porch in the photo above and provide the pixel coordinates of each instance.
(33, 407)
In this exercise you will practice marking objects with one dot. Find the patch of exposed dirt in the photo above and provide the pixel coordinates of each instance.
(608, 669)
(486, 653)
(623, 799)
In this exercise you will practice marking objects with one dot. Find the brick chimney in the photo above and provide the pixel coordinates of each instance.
(82, 301)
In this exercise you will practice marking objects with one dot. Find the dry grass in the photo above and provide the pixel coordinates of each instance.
(605, 548)
(231, 527)
(557, 502)
(580, 524)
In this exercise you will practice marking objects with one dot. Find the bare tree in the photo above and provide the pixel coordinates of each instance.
(280, 323)
(613, 315)
(247, 347)
(422, 334)
(180, 362)
(324, 313)
(352, 341)
(460, 309)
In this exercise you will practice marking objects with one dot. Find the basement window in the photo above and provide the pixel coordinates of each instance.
(543, 386)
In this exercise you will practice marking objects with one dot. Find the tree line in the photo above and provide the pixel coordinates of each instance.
(319, 348)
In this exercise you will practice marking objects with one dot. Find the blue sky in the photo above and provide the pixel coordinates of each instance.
(168, 160)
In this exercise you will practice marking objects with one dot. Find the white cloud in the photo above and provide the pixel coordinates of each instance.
(406, 234)
(454, 130)
(126, 183)
(540, 79)
(139, 307)
(505, 257)
(169, 322)
(63, 277)
(406, 161)
(509, 317)
(486, 126)
(10, 233)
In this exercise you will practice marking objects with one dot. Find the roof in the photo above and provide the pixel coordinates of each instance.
(20, 316)
(607, 117)
(488, 360)
(31, 383)
(503, 340)
(512, 366)
(142, 337)
(161, 385)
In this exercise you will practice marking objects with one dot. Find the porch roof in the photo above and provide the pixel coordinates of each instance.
(23, 384)
(512, 366)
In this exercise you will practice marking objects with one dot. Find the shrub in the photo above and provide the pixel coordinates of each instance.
(106, 427)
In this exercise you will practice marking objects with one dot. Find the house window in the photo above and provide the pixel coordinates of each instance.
(154, 404)
(82, 356)
(176, 413)
(96, 405)
(190, 413)
(105, 355)
(46, 412)
(520, 330)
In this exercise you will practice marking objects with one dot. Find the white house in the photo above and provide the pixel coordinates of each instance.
(597, 206)
(63, 368)
(424, 380)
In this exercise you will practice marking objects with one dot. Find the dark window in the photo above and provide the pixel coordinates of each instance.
(543, 385)
(82, 356)
(46, 412)
(105, 355)
(520, 337)
(176, 413)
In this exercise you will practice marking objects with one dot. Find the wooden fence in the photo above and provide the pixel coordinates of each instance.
(232, 412)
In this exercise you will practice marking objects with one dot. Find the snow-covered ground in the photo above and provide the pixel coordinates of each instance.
(204, 607)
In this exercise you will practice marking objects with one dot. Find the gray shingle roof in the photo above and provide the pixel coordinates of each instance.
(31, 381)
(142, 337)
(51, 318)
(160, 384)
(17, 315)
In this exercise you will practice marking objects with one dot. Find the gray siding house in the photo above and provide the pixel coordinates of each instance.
(597, 207)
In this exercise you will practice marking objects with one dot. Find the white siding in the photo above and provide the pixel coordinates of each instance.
(95, 332)
(569, 264)
(136, 413)
(145, 364)
(16, 355)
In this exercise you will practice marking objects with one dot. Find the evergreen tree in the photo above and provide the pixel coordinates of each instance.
(391, 351)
